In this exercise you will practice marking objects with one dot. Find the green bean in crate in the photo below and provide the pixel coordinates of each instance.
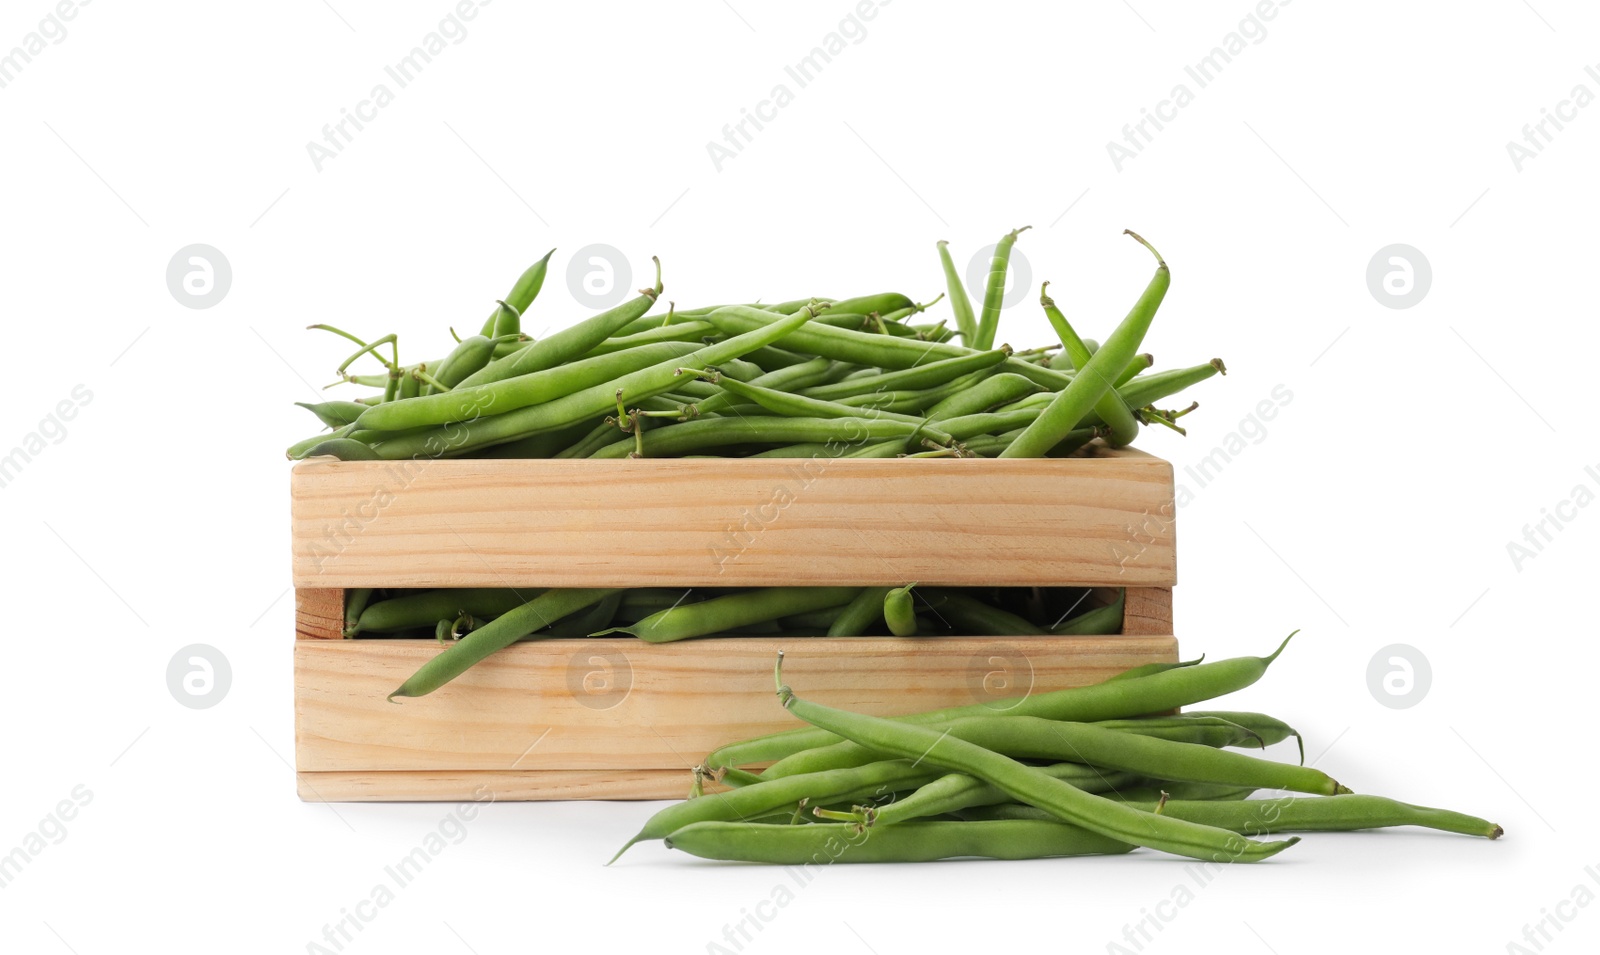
(850, 375)
(499, 617)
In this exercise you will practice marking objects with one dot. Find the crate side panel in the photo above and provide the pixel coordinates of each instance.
(622, 704)
(1102, 520)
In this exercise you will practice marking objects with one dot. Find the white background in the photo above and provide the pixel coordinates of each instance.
(1375, 509)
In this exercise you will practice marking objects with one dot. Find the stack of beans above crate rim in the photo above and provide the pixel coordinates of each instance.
(616, 718)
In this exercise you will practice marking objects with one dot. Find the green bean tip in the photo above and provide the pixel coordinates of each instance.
(1161, 263)
(1219, 366)
(1285, 643)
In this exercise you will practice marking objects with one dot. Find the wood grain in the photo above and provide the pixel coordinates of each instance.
(619, 704)
(1148, 611)
(1102, 519)
(486, 786)
(319, 613)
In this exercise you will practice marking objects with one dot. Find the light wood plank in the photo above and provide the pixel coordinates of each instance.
(482, 785)
(621, 704)
(1094, 520)
(1147, 611)
(319, 613)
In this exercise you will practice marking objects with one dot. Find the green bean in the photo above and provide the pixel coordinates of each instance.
(598, 617)
(1109, 700)
(802, 406)
(1344, 813)
(739, 370)
(1028, 784)
(549, 444)
(1148, 389)
(907, 401)
(792, 378)
(991, 392)
(824, 843)
(974, 618)
(410, 384)
(334, 414)
(569, 343)
(355, 601)
(298, 450)
(721, 614)
(471, 354)
(864, 612)
(1098, 621)
(507, 322)
(585, 403)
(424, 607)
(672, 316)
(686, 332)
(1036, 401)
(596, 438)
(1033, 737)
(1094, 379)
(1268, 729)
(774, 358)
(523, 293)
(1138, 366)
(811, 449)
(876, 351)
(473, 403)
(838, 319)
(1151, 668)
(960, 304)
(1131, 749)
(816, 621)
(497, 634)
(345, 449)
(994, 292)
(953, 792)
(883, 449)
(930, 375)
(761, 797)
(899, 611)
(988, 422)
(881, 302)
(1110, 407)
(736, 778)
(1206, 729)
(692, 436)
(1152, 790)
(991, 445)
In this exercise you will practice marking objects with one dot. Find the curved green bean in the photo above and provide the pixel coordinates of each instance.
(824, 843)
(497, 634)
(994, 292)
(1027, 784)
(722, 614)
(1094, 380)
(1109, 700)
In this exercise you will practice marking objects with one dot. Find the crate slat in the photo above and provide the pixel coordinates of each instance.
(618, 704)
(1101, 519)
(471, 785)
(319, 613)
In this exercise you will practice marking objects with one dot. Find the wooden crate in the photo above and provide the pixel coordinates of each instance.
(615, 718)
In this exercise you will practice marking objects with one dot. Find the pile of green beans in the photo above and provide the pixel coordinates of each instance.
(871, 376)
(1093, 770)
(473, 623)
